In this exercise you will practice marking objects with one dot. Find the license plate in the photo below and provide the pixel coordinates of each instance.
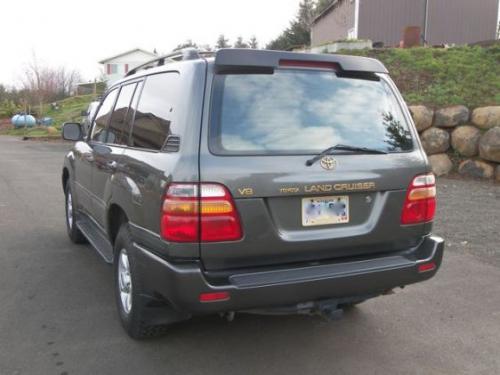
(325, 210)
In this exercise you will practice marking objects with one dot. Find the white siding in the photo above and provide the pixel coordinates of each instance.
(132, 59)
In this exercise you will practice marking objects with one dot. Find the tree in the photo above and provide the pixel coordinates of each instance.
(307, 13)
(222, 42)
(240, 43)
(299, 31)
(3, 93)
(253, 43)
(187, 44)
(43, 84)
(321, 5)
(8, 108)
(66, 81)
(205, 47)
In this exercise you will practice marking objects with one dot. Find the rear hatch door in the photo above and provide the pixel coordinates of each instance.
(262, 130)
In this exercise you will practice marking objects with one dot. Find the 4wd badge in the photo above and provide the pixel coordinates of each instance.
(328, 163)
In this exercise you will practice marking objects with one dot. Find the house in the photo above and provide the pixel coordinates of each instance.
(440, 21)
(117, 66)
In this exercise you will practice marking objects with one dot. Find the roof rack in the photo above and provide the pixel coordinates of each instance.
(180, 55)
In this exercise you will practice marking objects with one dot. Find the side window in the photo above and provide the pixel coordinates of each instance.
(102, 116)
(155, 117)
(119, 124)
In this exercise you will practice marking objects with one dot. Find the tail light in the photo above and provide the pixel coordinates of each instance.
(214, 297)
(199, 212)
(426, 267)
(420, 202)
(310, 64)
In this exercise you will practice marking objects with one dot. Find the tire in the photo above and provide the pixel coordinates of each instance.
(129, 292)
(74, 234)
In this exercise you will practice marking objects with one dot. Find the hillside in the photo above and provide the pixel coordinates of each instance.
(70, 109)
(439, 77)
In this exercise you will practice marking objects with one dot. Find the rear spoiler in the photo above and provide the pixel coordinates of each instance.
(251, 58)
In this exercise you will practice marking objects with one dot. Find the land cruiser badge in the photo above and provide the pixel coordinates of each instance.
(328, 163)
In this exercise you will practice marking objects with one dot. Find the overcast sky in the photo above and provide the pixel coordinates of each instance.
(78, 33)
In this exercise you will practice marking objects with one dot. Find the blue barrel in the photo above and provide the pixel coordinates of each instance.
(47, 121)
(21, 121)
(13, 120)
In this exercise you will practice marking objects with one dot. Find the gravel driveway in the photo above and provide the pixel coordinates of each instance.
(468, 217)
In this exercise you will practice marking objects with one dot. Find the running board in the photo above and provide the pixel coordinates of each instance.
(96, 238)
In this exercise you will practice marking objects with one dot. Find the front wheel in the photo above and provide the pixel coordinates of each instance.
(129, 291)
(74, 233)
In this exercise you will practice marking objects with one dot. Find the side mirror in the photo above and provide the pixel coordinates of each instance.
(72, 131)
(84, 113)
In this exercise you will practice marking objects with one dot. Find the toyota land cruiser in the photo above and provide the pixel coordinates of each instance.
(251, 181)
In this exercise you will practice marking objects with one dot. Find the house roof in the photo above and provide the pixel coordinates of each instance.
(126, 53)
(327, 10)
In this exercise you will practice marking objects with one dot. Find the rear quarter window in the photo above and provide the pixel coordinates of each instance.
(303, 112)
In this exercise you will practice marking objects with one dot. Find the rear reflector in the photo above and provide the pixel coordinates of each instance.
(205, 212)
(420, 202)
(214, 297)
(426, 267)
(310, 64)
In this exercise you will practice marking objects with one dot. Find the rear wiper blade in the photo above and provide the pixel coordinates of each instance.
(340, 147)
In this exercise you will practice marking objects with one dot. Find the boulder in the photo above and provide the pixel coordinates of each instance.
(441, 164)
(435, 141)
(465, 140)
(486, 117)
(451, 116)
(422, 116)
(489, 145)
(476, 168)
(497, 173)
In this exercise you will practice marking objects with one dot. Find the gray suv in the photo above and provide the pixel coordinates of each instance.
(251, 181)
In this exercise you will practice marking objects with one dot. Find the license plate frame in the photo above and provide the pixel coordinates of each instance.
(327, 210)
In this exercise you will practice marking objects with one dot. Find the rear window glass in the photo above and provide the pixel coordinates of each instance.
(304, 112)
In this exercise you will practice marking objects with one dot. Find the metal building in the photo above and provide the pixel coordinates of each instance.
(441, 21)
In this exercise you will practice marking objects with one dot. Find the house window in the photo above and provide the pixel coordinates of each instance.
(112, 68)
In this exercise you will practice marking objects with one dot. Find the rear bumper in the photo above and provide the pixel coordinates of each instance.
(183, 283)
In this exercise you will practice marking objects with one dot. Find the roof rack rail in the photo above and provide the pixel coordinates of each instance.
(180, 55)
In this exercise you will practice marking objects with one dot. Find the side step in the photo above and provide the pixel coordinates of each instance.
(96, 237)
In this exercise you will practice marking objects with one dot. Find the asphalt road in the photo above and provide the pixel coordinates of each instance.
(57, 313)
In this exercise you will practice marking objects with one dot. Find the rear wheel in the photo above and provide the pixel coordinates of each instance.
(130, 294)
(74, 233)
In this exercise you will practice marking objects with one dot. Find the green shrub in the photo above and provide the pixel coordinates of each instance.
(8, 108)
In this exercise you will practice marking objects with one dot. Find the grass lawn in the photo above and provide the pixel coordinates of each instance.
(440, 77)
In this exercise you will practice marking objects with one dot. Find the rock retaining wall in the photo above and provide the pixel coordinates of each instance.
(456, 138)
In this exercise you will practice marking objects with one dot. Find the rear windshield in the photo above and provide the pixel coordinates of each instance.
(304, 112)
